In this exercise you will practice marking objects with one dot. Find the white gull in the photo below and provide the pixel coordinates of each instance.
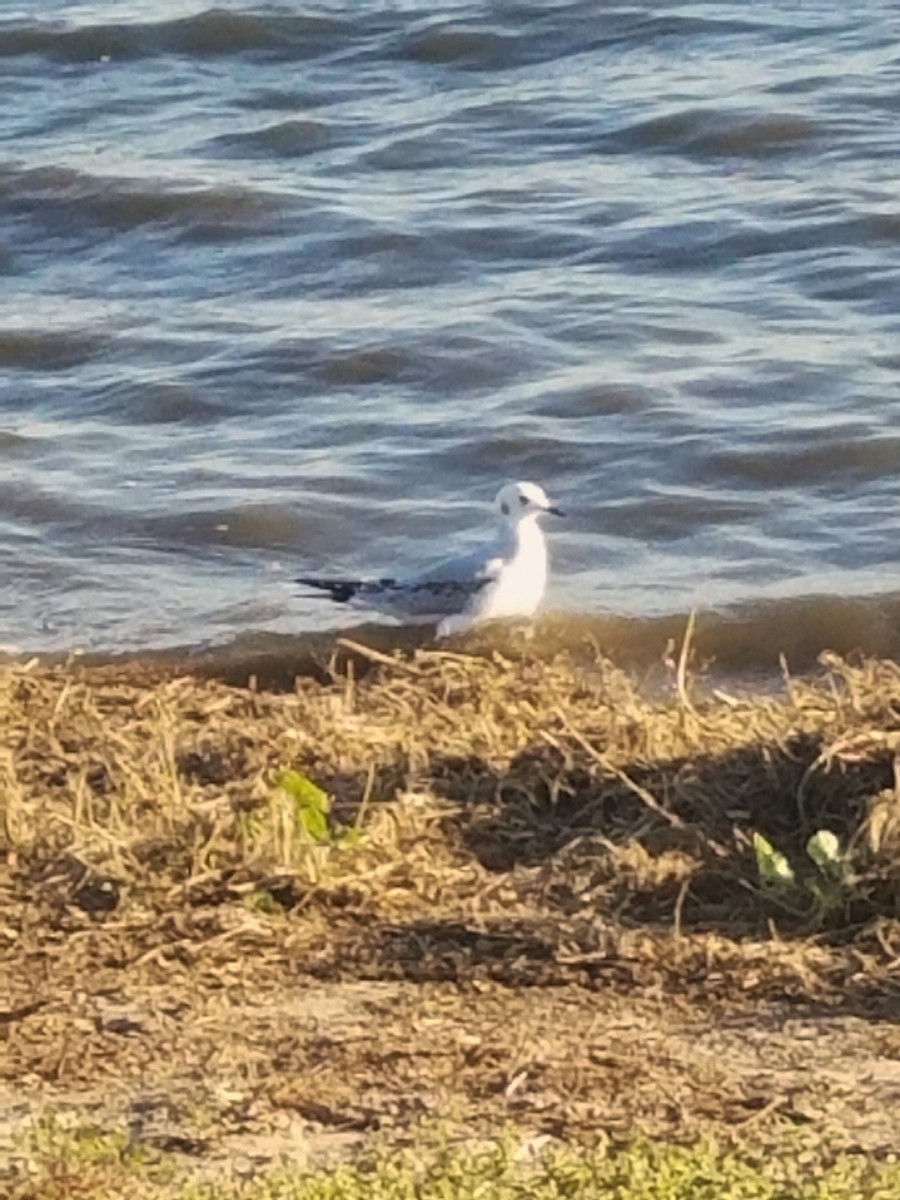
(506, 577)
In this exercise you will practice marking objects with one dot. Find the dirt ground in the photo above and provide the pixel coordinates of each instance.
(548, 916)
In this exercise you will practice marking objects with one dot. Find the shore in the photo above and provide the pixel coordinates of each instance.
(498, 905)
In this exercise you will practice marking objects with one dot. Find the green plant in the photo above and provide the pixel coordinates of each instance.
(638, 1171)
(311, 806)
(295, 828)
(823, 884)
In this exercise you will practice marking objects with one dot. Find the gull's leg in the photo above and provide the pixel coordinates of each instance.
(458, 623)
(524, 627)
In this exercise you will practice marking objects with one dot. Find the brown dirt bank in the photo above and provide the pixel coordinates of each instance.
(535, 898)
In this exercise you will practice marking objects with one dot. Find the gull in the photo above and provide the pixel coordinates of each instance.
(506, 577)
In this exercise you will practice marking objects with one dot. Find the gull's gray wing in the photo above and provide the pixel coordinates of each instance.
(443, 590)
(420, 599)
(446, 588)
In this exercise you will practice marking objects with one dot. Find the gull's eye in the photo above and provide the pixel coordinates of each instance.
(523, 500)
(504, 508)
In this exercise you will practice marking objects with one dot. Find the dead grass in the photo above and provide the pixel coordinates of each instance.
(528, 800)
(515, 824)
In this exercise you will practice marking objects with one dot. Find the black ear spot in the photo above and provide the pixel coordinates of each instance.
(523, 500)
(504, 508)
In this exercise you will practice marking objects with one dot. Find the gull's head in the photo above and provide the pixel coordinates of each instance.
(516, 501)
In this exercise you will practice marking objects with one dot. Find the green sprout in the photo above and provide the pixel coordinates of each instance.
(822, 887)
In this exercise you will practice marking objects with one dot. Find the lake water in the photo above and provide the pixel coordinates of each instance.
(296, 287)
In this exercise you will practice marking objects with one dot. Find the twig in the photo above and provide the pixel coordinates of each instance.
(377, 656)
(9, 1016)
(772, 1106)
(681, 672)
(366, 797)
(679, 905)
(641, 792)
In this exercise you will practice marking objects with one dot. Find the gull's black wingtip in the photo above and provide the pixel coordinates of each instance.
(339, 590)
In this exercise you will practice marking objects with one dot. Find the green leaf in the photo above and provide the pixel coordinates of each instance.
(314, 822)
(824, 849)
(774, 869)
(311, 805)
(306, 793)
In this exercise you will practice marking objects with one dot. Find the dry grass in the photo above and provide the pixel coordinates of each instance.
(523, 793)
(494, 823)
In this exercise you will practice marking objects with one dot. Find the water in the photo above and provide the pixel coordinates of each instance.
(295, 288)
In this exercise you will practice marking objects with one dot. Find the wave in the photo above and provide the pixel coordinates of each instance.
(72, 203)
(46, 349)
(282, 140)
(214, 32)
(707, 133)
(482, 41)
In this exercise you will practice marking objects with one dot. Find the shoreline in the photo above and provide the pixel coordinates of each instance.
(752, 641)
(295, 925)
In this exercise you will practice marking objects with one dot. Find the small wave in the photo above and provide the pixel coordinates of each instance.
(243, 526)
(751, 639)
(211, 33)
(204, 531)
(74, 202)
(39, 507)
(594, 400)
(45, 350)
(157, 402)
(459, 46)
(673, 25)
(366, 365)
(700, 243)
(534, 36)
(702, 134)
(284, 140)
(14, 444)
(431, 149)
(769, 466)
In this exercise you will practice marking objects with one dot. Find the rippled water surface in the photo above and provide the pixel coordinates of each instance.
(297, 287)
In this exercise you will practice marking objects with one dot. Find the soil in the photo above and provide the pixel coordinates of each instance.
(478, 960)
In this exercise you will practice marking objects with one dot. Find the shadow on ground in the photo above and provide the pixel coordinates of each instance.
(645, 877)
(673, 840)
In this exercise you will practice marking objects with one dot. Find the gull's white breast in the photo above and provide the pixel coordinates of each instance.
(521, 581)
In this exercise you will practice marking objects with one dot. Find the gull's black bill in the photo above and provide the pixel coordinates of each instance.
(554, 511)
